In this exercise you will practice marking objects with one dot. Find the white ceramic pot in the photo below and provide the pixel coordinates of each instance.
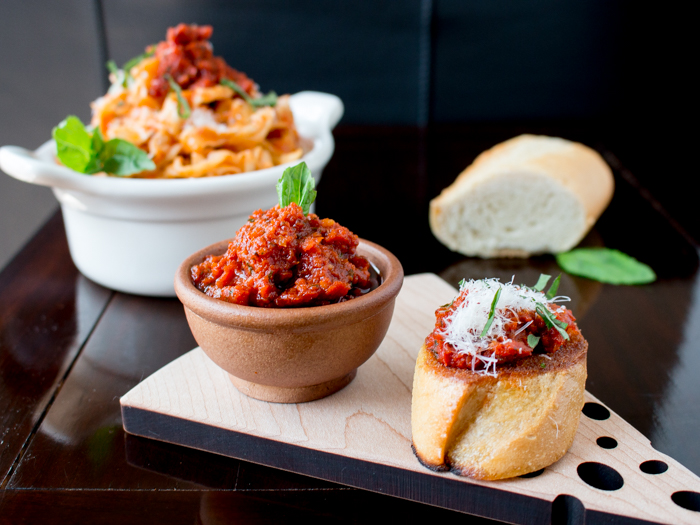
(132, 234)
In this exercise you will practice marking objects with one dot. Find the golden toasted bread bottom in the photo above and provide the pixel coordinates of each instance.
(485, 427)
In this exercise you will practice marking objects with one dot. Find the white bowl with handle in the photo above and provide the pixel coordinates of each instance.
(132, 234)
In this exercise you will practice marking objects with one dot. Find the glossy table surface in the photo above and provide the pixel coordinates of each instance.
(70, 348)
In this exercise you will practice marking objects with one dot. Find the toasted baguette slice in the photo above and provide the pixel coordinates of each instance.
(528, 195)
(499, 427)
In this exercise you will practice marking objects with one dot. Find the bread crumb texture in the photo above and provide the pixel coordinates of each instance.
(528, 195)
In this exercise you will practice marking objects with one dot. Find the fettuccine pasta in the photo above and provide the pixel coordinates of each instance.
(213, 131)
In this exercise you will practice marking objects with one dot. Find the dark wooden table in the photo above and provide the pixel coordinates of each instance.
(70, 348)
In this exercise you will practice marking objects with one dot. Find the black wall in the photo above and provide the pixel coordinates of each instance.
(617, 67)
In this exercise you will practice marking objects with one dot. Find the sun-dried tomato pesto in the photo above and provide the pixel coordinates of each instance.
(187, 56)
(283, 258)
(509, 344)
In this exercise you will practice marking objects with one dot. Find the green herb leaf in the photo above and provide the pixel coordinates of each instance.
(112, 66)
(542, 282)
(492, 312)
(532, 341)
(551, 321)
(73, 144)
(552, 292)
(297, 185)
(266, 100)
(606, 265)
(543, 365)
(183, 107)
(120, 157)
(88, 153)
(461, 283)
(137, 59)
(120, 77)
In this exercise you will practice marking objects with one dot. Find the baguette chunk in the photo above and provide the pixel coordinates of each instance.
(490, 428)
(528, 195)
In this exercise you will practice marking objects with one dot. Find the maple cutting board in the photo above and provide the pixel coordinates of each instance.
(361, 436)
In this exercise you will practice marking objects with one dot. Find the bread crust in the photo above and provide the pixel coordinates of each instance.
(571, 169)
(489, 428)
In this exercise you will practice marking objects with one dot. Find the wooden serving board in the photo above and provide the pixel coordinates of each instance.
(361, 437)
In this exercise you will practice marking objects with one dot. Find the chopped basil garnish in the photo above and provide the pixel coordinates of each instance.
(183, 108)
(87, 152)
(532, 341)
(151, 50)
(297, 185)
(605, 265)
(122, 76)
(266, 100)
(552, 292)
(542, 282)
(550, 320)
(492, 312)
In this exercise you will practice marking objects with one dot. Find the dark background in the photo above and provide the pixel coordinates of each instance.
(615, 69)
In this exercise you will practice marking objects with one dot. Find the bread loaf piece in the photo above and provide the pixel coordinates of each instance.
(528, 195)
(489, 428)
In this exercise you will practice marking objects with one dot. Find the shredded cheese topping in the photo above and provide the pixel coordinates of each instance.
(466, 323)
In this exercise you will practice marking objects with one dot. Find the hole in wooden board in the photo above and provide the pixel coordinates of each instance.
(687, 499)
(596, 411)
(568, 510)
(533, 474)
(653, 467)
(600, 476)
(606, 442)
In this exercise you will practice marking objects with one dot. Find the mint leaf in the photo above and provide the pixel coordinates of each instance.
(605, 265)
(492, 312)
(183, 107)
(120, 157)
(297, 185)
(542, 282)
(532, 341)
(550, 320)
(552, 292)
(73, 144)
(266, 100)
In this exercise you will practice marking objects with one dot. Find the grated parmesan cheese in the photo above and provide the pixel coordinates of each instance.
(466, 323)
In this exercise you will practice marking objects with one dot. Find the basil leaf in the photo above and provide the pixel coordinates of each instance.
(266, 100)
(112, 66)
(605, 265)
(492, 312)
(532, 341)
(121, 157)
(73, 144)
(137, 59)
(552, 292)
(542, 282)
(297, 185)
(551, 321)
(120, 77)
(183, 107)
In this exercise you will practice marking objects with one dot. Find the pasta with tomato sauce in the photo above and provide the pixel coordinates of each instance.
(195, 115)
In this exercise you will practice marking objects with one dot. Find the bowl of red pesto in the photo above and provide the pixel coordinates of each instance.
(291, 306)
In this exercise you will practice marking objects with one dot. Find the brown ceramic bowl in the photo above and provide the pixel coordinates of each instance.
(291, 355)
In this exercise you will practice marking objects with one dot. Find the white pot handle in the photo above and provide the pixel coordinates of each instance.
(321, 109)
(24, 165)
